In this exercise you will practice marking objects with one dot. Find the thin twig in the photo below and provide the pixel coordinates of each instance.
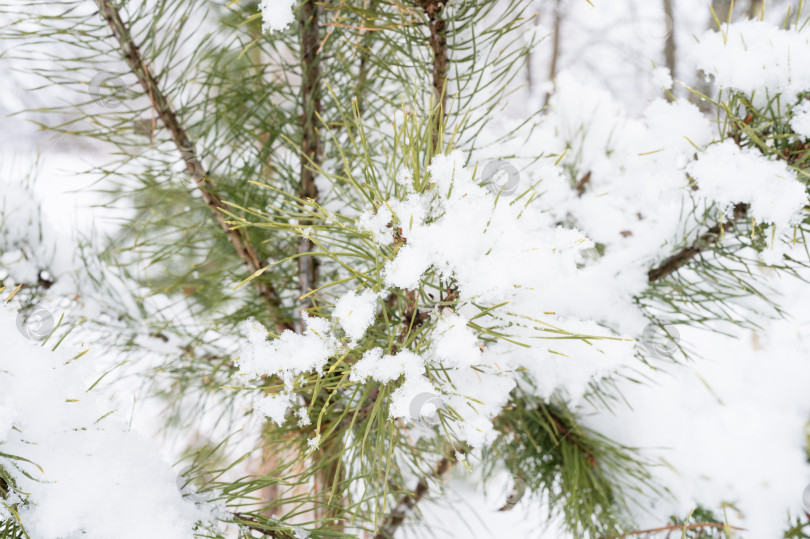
(438, 44)
(706, 240)
(252, 524)
(555, 49)
(674, 527)
(310, 139)
(669, 44)
(407, 503)
(165, 111)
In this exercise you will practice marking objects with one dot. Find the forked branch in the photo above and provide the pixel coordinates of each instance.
(185, 146)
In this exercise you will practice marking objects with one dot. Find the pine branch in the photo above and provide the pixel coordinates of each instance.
(310, 140)
(706, 240)
(438, 44)
(365, 63)
(408, 502)
(185, 146)
(254, 525)
(679, 527)
(413, 317)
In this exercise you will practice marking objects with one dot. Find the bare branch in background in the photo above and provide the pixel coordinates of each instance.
(669, 45)
(408, 502)
(238, 237)
(756, 9)
(529, 58)
(705, 241)
(310, 139)
(555, 49)
(722, 8)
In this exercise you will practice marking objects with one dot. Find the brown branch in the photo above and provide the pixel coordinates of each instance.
(582, 184)
(555, 48)
(723, 10)
(705, 241)
(311, 46)
(254, 525)
(676, 527)
(185, 146)
(438, 44)
(365, 55)
(407, 503)
(310, 140)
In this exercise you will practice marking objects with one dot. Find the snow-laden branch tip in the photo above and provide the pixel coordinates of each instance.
(89, 477)
(276, 14)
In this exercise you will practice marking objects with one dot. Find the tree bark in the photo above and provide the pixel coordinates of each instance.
(438, 45)
(310, 138)
(239, 238)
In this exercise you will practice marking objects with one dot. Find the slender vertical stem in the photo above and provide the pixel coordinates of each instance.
(555, 48)
(311, 46)
(365, 40)
(669, 45)
(407, 503)
(309, 23)
(755, 9)
(185, 146)
(438, 45)
(529, 59)
(723, 10)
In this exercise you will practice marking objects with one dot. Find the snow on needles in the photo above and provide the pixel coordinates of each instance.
(493, 252)
(276, 14)
(355, 313)
(488, 250)
(662, 78)
(801, 119)
(727, 174)
(756, 56)
(288, 356)
(387, 368)
(88, 476)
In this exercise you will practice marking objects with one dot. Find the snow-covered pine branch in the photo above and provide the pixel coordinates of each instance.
(395, 263)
